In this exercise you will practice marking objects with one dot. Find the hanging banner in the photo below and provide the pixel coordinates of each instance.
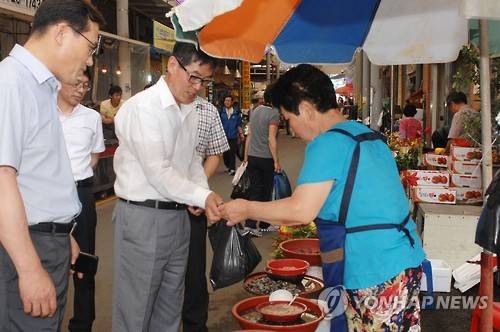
(27, 7)
(163, 36)
(246, 85)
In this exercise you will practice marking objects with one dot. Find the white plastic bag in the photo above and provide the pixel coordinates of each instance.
(239, 173)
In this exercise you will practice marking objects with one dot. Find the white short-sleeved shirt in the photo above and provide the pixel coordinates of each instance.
(82, 130)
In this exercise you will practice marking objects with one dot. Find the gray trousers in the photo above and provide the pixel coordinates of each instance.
(54, 252)
(150, 256)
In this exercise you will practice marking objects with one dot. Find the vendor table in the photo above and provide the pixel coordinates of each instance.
(448, 231)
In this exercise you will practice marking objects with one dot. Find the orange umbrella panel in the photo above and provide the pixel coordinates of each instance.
(244, 33)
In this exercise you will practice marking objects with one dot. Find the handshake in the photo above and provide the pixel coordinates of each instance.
(234, 211)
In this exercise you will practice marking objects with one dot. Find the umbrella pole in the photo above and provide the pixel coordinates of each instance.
(484, 64)
(486, 319)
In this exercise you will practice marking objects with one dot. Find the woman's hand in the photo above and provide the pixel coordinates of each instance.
(234, 211)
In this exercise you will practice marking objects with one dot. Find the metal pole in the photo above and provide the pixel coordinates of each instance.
(268, 68)
(484, 65)
(366, 87)
(434, 97)
(392, 97)
(123, 53)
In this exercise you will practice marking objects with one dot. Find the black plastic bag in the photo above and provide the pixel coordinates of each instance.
(281, 186)
(240, 151)
(488, 226)
(242, 189)
(235, 255)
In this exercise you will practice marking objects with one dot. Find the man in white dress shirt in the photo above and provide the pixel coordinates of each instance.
(82, 130)
(158, 175)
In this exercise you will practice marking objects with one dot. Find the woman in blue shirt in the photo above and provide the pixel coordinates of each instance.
(380, 263)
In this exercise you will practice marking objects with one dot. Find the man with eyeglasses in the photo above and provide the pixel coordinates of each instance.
(82, 130)
(159, 175)
(38, 195)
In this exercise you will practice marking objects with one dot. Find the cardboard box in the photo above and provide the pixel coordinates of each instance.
(441, 276)
(464, 180)
(465, 154)
(436, 160)
(433, 195)
(469, 195)
(429, 178)
(465, 167)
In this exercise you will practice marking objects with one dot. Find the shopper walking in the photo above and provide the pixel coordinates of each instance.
(261, 153)
(158, 175)
(82, 130)
(212, 143)
(231, 121)
(37, 193)
(350, 186)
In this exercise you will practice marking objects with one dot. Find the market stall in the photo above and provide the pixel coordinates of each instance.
(385, 30)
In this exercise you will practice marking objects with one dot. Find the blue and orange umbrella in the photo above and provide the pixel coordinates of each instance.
(330, 31)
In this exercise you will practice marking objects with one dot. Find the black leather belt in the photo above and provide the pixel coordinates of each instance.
(88, 182)
(51, 227)
(161, 205)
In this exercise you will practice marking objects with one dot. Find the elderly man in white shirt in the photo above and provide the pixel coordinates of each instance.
(82, 129)
(158, 175)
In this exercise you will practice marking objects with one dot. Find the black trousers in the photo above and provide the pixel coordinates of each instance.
(195, 307)
(261, 173)
(230, 155)
(84, 234)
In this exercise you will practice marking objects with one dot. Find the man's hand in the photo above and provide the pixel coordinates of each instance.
(38, 293)
(235, 211)
(195, 211)
(277, 166)
(75, 251)
(211, 207)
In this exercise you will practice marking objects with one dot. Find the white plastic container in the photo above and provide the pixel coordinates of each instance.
(441, 276)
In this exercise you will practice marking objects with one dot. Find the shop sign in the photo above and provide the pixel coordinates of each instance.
(246, 85)
(25, 6)
(164, 37)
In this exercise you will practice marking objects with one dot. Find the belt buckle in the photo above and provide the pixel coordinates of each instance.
(177, 206)
(157, 204)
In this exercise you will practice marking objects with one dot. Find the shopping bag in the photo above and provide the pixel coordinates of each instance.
(488, 226)
(281, 186)
(240, 151)
(235, 255)
(239, 173)
(242, 188)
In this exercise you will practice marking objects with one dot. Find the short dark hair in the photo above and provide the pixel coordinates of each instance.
(76, 13)
(304, 83)
(456, 97)
(409, 110)
(268, 99)
(114, 89)
(187, 53)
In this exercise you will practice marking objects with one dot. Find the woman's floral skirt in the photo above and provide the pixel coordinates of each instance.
(391, 306)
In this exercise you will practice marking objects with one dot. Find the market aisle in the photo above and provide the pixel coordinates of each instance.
(291, 153)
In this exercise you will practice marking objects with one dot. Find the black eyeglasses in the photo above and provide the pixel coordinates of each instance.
(193, 79)
(94, 46)
(84, 86)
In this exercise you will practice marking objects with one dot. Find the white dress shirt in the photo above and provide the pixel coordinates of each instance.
(82, 130)
(156, 158)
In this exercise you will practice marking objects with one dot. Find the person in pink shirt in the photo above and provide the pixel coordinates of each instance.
(409, 127)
